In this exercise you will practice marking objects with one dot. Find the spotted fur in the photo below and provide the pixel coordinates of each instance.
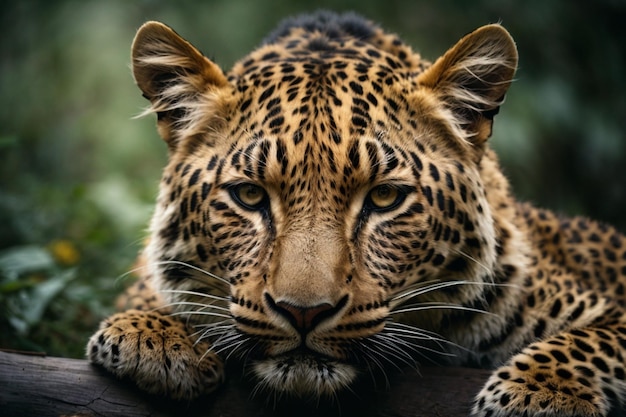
(331, 205)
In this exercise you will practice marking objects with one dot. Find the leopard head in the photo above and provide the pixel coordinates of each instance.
(321, 192)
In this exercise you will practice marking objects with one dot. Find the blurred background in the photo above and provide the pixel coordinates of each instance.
(78, 175)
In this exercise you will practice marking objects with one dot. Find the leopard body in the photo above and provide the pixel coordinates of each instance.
(331, 205)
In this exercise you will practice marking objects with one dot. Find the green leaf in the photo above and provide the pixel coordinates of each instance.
(28, 307)
(18, 261)
(8, 141)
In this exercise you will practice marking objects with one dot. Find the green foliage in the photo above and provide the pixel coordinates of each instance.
(30, 281)
(79, 174)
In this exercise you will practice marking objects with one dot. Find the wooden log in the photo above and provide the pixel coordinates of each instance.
(48, 386)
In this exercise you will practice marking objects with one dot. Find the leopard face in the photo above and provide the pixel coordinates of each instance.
(327, 197)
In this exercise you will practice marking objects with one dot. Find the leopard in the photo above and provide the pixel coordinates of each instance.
(331, 206)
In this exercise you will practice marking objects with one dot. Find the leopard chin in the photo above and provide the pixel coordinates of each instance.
(304, 375)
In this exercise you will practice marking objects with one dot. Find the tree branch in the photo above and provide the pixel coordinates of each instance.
(47, 386)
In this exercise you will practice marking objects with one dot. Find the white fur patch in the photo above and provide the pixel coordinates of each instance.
(304, 375)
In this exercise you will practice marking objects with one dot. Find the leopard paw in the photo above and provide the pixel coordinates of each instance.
(157, 353)
(528, 386)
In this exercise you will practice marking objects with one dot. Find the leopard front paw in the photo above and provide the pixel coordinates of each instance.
(157, 353)
(538, 385)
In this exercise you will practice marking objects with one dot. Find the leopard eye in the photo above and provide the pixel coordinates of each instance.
(249, 196)
(384, 197)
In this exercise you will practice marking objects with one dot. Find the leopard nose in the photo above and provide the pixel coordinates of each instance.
(305, 319)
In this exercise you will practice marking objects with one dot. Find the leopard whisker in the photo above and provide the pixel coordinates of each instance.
(386, 349)
(415, 286)
(392, 340)
(216, 289)
(226, 341)
(245, 355)
(217, 327)
(195, 268)
(227, 322)
(397, 340)
(199, 313)
(406, 331)
(235, 347)
(409, 328)
(232, 343)
(212, 331)
(412, 292)
(471, 258)
(414, 335)
(211, 349)
(433, 306)
(130, 272)
(438, 285)
(203, 310)
(201, 305)
(420, 349)
(198, 294)
(402, 332)
(373, 359)
(433, 286)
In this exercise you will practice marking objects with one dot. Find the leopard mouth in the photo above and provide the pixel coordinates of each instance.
(303, 373)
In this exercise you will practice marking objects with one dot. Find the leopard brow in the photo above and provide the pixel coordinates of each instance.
(381, 156)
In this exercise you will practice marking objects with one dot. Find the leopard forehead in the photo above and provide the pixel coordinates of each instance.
(320, 88)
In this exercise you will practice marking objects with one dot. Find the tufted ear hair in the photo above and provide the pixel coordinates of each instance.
(472, 78)
(182, 85)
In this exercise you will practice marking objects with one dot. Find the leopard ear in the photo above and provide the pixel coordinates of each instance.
(472, 78)
(182, 85)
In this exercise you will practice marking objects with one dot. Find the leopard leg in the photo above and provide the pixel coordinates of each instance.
(576, 373)
(157, 353)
